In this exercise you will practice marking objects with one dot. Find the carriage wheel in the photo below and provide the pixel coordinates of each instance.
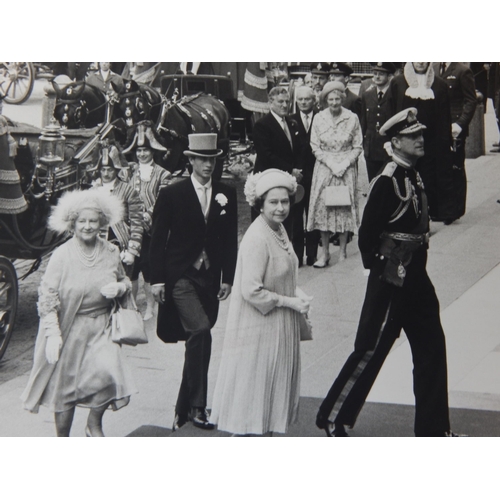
(8, 302)
(16, 81)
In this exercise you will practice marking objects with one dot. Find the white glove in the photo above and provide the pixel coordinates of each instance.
(127, 257)
(112, 290)
(296, 303)
(339, 169)
(52, 348)
(455, 130)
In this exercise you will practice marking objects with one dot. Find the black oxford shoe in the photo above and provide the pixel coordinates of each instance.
(199, 419)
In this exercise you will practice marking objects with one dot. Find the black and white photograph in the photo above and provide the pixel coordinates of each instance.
(251, 249)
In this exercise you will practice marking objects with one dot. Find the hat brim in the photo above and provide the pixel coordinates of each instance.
(206, 153)
(299, 194)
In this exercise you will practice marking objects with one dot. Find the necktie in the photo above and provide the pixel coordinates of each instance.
(204, 200)
(306, 122)
(380, 95)
(442, 69)
(287, 132)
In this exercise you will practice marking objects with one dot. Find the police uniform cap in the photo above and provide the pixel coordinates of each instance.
(321, 68)
(388, 67)
(339, 68)
(405, 122)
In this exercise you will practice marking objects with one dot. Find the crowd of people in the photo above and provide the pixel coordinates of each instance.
(410, 128)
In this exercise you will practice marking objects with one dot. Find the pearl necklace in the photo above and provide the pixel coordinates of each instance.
(281, 239)
(87, 260)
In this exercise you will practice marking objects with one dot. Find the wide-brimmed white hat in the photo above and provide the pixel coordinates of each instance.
(203, 145)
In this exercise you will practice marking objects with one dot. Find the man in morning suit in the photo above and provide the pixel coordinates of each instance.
(306, 104)
(276, 141)
(463, 101)
(193, 258)
(393, 240)
(375, 112)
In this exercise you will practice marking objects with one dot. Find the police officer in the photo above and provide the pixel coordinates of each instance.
(393, 242)
(319, 76)
(375, 112)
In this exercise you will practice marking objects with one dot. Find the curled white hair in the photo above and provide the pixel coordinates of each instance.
(72, 203)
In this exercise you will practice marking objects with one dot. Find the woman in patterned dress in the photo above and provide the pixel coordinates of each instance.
(257, 390)
(336, 142)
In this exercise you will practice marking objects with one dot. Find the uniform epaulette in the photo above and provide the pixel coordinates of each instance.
(389, 169)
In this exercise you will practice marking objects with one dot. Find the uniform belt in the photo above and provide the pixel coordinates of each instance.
(422, 238)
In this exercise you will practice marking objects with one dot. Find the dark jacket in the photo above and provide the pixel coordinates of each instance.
(352, 102)
(272, 145)
(306, 159)
(462, 91)
(180, 233)
(373, 115)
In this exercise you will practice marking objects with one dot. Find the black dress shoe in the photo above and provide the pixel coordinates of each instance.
(331, 429)
(200, 419)
(447, 222)
(310, 261)
(179, 421)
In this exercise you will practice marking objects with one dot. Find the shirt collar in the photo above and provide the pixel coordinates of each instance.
(383, 90)
(401, 162)
(197, 185)
(278, 118)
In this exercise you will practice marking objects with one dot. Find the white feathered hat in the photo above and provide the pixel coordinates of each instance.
(71, 204)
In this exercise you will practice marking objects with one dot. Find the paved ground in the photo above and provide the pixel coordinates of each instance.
(464, 266)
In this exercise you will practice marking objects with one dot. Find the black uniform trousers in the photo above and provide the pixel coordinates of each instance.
(386, 310)
(195, 297)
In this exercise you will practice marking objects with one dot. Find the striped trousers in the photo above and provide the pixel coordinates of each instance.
(386, 311)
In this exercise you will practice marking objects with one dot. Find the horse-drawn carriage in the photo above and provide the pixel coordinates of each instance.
(56, 159)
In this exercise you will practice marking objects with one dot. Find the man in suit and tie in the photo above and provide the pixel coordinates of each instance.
(193, 252)
(306, 104)
(375, 112)
(102, 79)
(276, 141)
(340, 72)
(462, 91)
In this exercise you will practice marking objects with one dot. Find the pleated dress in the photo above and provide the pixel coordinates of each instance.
(257, 389)
(92, 369)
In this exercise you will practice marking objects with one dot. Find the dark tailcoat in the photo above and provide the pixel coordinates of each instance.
(436, 166)
(373, 115)
(388, 309)
(180, 233)
(272, 145)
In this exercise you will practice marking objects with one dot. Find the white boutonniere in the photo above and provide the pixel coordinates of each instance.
(221, 199)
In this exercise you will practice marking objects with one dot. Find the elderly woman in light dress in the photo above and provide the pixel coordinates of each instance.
(336, 142)
(75, 362)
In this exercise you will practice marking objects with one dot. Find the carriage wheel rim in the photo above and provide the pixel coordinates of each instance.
(8, 302)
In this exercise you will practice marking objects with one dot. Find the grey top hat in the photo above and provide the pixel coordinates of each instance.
(203, 145)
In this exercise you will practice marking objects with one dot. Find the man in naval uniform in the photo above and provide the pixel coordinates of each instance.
(393, 240)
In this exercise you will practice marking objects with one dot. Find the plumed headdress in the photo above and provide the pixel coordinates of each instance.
(72, 203)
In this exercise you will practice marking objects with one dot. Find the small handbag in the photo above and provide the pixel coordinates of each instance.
(337, 196)
(127, 325)
(305, 327)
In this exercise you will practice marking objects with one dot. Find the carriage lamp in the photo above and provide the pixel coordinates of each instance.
(51, 145)
(50, 154)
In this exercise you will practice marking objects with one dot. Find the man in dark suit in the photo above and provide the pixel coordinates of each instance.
(375, 112)
(276, 141)
(306, 104)
(193, 258)
(340, 72)
(463, 101)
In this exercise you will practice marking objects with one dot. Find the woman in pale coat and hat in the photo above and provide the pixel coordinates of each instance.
(336, 142)
(257, 390)
(75, 362)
